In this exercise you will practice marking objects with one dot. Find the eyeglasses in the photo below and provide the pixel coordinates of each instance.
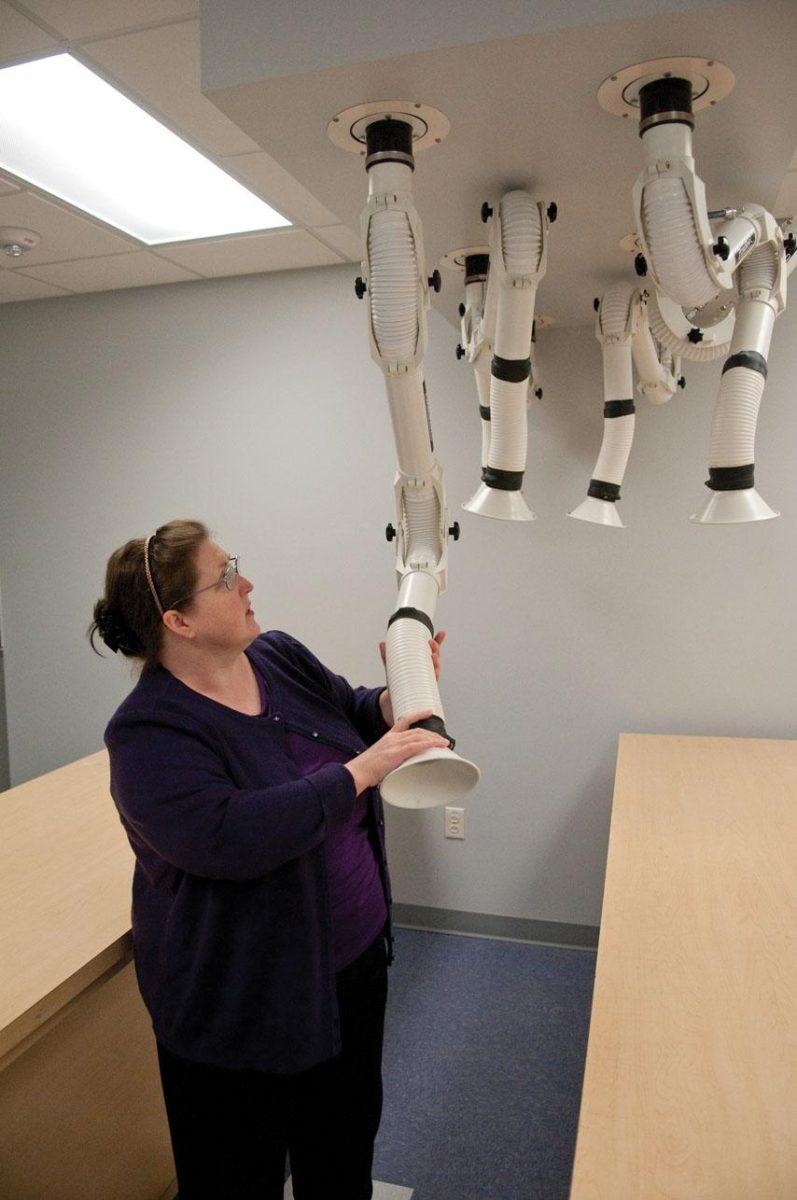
(229, 578)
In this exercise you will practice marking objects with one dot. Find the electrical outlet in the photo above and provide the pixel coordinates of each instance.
(455, 822)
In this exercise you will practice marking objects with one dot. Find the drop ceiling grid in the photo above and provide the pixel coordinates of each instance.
(20, 36)
(107, 272)
(158, 66)
(82, 19)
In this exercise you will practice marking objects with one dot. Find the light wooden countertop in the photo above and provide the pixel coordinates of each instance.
(690, 1089)
(66, 871)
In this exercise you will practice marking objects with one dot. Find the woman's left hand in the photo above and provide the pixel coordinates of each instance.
(434, 645)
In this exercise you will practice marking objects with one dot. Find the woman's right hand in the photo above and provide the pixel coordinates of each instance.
(399, 743)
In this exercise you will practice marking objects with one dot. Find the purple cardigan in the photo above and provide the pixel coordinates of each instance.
(232, 935)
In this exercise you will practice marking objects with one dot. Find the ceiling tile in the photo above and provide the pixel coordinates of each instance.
(86, 18)
(20, 36)
(786, 202)
(273, 183)
(344, 240)
(244, 255)
(161, 68)
(64, 234)
(114, 271)
(14, 286)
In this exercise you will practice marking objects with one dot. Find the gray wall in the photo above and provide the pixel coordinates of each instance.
(252, 403)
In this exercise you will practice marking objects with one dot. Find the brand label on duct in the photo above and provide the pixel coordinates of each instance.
(745, 246)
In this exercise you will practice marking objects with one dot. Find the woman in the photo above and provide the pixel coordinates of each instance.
(245, 774)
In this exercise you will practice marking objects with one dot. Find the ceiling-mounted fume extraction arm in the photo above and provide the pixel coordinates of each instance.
(518, 255)
(396, 287)
(693, 256)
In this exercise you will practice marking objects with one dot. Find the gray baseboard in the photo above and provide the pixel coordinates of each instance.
(515, 929)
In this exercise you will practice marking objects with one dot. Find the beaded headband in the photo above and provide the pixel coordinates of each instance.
(149, 575)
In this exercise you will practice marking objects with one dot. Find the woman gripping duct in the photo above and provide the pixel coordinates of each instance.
(246, 775)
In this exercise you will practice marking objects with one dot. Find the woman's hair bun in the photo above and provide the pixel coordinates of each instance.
(114, 631)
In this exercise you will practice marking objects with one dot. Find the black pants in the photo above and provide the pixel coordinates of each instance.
(230, 1129)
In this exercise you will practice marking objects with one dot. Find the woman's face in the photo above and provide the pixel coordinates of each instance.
(219, 616)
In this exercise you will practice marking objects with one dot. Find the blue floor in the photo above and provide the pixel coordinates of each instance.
(485, 1044)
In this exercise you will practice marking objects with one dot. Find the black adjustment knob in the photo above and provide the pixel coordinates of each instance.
(460, 351)
(596, 304)
(695, 335)
(487, 212)
(721, 248)
(359, 287)
(552, 211)
(790, 245)
(435, 282)
(453, 531)
(461, 310)
(390, 532)
(538, 393)
(641, 264)
(682, 382)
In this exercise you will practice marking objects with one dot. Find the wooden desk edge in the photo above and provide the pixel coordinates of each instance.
(27, 1028)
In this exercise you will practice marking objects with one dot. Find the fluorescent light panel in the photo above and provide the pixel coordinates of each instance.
(70, 133)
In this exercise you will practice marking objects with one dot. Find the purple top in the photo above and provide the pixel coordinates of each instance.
(356, 897)
(231, 914)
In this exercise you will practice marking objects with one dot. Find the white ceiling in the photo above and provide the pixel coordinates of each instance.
(522, 110)
(150, 49)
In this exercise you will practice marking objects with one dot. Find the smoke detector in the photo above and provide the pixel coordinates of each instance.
(15, 241)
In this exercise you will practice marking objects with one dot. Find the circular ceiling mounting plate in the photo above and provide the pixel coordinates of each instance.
(711, 82)
(429, 125)
(455, 259)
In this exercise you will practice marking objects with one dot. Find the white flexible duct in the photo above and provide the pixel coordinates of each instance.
(676, 340)
(397, 299)
(673, 244)
(622, 329)
(672, 219)
(481, 368)
(517, 264)
(618, 432)
(614, 326)
(477, 348)
(734, 497)
(394, 279)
